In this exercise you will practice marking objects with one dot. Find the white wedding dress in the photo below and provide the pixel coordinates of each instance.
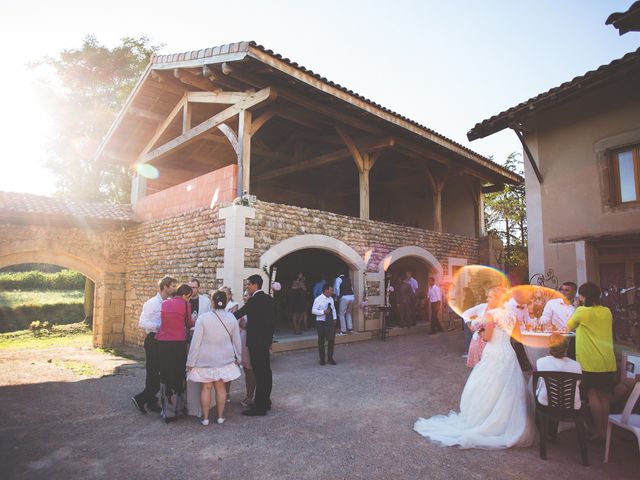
(496, 410)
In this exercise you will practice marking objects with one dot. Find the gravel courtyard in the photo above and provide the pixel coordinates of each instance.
(350, 421)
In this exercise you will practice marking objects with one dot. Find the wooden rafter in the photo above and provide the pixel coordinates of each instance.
(147, 114)
(191, 135)
(320, 160)
(162, 128)
(218, 97)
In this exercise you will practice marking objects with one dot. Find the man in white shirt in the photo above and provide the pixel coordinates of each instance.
(557, 311)
(325, 311)
(413, 283)
(518, 305)
(434, 306)
(336, 285)
(199, 303)
(150, 323)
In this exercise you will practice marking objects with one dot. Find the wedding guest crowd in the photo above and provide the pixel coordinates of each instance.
(178, 366)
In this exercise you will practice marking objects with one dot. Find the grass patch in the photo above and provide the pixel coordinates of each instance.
(73, 335)
(80, 368)
(19, 298)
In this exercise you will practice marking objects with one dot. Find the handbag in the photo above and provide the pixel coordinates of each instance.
(235, 357)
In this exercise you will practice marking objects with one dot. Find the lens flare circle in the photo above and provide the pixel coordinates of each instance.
(148, 171)
(531, 301)
(471, 284)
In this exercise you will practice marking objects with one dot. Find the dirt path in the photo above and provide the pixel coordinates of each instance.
(57, 364)
(351, 421)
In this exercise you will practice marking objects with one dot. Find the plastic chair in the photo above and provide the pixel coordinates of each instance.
(627, 420)
(561, 391)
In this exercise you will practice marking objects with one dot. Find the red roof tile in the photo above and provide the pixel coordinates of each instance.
(16, 204)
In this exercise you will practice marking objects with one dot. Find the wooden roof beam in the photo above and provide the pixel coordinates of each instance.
(146, 114)
(320, 161)
(314, 106)
(191, 135)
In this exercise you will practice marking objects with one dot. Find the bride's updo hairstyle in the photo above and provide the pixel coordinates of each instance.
(501, 293)
(219, 300)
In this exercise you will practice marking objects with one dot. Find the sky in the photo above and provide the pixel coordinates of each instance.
(446, 65)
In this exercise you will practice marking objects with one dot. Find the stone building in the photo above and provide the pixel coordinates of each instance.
(245, 162)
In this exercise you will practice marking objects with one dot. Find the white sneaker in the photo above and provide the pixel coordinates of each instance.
(204, 422)
(228, 398)
(341, 334)
(220, 420)
(464, 355)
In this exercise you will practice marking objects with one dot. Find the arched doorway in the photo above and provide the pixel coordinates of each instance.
(317, 266)
(109, 286)
(421, 263)
(44, 292)
(314, 250)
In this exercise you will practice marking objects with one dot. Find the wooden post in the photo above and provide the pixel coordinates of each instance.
(244, 152)
(186, 117)
(437, 205)
(138, 188)
(363, 176)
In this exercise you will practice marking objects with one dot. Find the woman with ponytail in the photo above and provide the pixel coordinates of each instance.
(214, 355)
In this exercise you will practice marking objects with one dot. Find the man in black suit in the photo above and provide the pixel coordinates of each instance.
(261, 321)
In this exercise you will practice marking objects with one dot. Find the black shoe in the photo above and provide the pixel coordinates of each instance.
(332, 361)
(154, 407)
(254, 413)
(138, 405)
(169, 420)
(322, 362)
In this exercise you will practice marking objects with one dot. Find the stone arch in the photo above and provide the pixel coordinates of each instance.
(410, 251)
(109, 293)
(323, 242)
(55, 258)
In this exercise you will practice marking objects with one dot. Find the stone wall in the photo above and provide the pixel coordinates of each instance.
(182, 246)
(372, 242)
(98, 253)
(274, 223)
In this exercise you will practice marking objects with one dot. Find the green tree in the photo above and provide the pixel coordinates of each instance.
(85, 88)
(505, 214)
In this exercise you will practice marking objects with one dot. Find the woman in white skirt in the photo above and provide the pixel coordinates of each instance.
(214, 355)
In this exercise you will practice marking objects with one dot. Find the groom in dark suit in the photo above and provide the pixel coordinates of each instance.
(261, 321)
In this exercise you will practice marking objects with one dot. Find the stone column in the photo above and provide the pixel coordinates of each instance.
(108, 320)
(234, 243)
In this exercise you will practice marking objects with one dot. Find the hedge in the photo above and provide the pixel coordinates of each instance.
(34, 280)
(19, 318)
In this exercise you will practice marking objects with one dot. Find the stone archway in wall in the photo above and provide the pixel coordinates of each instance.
(423, 255)
(332, 245)
(109, 280)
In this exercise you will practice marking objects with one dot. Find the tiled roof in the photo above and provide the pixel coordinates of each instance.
(578, 84)
(244, 47)
(18, 204)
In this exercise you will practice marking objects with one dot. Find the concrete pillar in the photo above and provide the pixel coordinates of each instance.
(234, 244)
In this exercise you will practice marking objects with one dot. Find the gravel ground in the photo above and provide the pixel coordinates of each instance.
(353, 420)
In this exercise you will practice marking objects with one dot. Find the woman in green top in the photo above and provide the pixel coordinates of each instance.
(594, 351)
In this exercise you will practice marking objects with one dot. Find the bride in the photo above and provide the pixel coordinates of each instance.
(495, 408)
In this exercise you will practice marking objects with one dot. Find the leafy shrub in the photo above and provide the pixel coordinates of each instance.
(20, 318)
(34, 280)
(37, 327)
